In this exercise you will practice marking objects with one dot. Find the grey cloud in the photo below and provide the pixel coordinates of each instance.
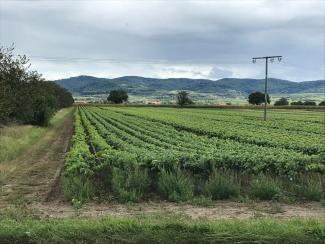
(187, 73)
(211, 33)
(217, 73)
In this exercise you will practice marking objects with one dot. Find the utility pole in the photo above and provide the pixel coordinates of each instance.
(266, 71)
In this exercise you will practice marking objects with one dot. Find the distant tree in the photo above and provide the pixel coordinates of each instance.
(118, 96)
(281, 102)
(322, 103)
(183, 98)
(257, 98)
(297, 103)
(309, 103)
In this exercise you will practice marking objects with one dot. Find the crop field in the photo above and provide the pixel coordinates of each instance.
(172, 166)
(132, 153)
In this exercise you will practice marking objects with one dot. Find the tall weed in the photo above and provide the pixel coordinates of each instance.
(131, 184)
(175, 185)
(222, 185)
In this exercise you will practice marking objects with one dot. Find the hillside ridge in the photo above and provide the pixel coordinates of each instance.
(86, 85)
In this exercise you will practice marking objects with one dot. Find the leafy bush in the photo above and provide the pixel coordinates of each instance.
(309, 103)
(265, 188)
(281, 102)
(222, 185)
(297, 103)
(130, 184)
(175, 185)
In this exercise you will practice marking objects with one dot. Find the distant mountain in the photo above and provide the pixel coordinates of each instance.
(136, 85)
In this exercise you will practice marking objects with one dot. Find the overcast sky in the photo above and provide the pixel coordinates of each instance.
(194, 39)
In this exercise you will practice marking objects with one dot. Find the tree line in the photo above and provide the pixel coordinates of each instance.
(258, 98)
(121, 96)
(26, 97)
(182, 98)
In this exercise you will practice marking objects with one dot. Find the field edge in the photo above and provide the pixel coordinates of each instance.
(160, 229)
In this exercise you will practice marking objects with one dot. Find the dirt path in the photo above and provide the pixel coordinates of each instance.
(30, 177)
(218, 210)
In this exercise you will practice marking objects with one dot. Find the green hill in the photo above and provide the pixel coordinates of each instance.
(89, 85)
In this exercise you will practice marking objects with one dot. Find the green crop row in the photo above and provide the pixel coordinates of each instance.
(79, 164)
(158, 144)
(129, 156)
(288, 125)
(308, 143)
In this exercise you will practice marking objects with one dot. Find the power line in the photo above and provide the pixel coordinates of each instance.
(96, 60)
(64, 59)
(266, 58)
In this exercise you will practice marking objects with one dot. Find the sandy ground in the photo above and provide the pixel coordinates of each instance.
(217, 210)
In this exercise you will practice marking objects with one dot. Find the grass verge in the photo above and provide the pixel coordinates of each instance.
(160, 229)
(17, 138)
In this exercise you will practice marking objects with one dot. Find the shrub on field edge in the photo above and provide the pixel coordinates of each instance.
(297, 103)
(222, 185)
(309, 189)
(281, 102)
(309, 103)
(79, 188)
(312, 191)
(130, 184)
(265, 188)
(175, 185)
